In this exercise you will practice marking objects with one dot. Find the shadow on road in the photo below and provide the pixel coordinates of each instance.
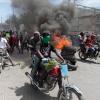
(87, 61)
(27, 92)
(23, 59)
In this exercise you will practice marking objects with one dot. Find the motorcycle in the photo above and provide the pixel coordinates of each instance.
(51, 74)
(91, 54)
(68, 53)
(3, 58)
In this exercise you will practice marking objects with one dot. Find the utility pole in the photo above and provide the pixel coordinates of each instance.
(94, 20)
(74, 2)
(13, 20)
(1, 20)
(1, 24)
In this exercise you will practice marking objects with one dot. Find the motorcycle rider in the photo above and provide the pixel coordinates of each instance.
(47, 47)
(94, 43)
(88, 43)
(35, 44)
(93, 38)
(82, 38)
(41, 48)
(4, 45)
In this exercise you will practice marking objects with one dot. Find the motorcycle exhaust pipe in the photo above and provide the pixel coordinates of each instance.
(29, 76)
(31, 79)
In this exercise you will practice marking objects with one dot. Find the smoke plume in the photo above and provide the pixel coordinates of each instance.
(44, 15)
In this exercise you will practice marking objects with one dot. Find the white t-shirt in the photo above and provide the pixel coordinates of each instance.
(3, 43)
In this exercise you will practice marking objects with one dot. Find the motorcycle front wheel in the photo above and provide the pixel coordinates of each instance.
(0, 68)
(82, 55)
(71, 95)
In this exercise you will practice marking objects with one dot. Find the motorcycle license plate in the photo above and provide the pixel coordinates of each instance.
(64, 70)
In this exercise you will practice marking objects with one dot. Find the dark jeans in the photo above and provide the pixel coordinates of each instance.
(36, 61)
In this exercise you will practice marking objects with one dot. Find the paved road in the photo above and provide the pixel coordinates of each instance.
(14, 85)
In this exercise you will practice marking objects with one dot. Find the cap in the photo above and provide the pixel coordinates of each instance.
(37, 32)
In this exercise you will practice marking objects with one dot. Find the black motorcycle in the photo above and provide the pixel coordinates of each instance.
(49, 75)
(92, 53)
(3, 57)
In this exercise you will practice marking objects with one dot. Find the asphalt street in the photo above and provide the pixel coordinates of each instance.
(14, 85)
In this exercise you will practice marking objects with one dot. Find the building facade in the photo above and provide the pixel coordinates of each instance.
(86, 20)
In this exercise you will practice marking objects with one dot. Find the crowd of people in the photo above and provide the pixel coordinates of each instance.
(15, 40)
(44, 41)
(40, 44)
(23, 41)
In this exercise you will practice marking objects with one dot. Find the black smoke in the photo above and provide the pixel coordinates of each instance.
(43, 15)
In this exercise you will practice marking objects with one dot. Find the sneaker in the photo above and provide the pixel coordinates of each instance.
(5, 64)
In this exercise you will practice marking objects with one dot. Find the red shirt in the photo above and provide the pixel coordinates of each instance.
(12, 40)
(88, 42)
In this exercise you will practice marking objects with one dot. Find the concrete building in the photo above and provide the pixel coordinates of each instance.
(4, 27)
(86, 19)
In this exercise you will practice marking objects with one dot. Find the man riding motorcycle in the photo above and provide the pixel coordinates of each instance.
(82, 38)
(41, 49)
(90, 49)
(88, 43)
(54, 73)
(35, 44)
(4, 46)
(91, 44)
(47, 47)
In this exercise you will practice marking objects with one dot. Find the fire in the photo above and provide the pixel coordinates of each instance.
(61, 41)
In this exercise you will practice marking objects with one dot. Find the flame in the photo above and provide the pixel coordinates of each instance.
(62, 41)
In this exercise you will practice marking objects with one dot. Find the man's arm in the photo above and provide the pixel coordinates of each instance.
(38, 47)
(8, 46)
(40, 54)
(55, 51)
(59, 56)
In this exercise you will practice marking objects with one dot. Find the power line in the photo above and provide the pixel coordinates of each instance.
(79, 5)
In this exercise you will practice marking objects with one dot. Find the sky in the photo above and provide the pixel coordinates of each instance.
(6, 10)
(91, 3)
(56, 1)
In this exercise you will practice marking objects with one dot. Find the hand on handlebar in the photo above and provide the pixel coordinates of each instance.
(60, 60)
(63, 61)
(30, 46)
